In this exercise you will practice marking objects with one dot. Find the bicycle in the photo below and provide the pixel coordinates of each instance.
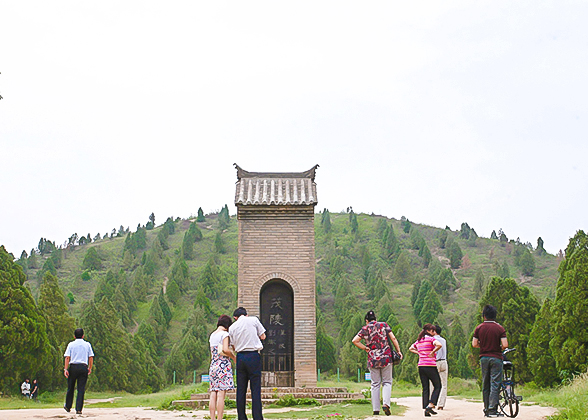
(507, 399)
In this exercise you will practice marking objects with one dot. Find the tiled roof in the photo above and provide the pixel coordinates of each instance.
(265, 188)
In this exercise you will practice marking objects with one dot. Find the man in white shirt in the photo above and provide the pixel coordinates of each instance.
(441, 367)
(25, 388)
(79, 359)
(245, 335)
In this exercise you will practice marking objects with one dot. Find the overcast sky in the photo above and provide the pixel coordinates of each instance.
(444, 112)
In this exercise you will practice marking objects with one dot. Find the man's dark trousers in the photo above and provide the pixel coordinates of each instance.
(491, 381)
(249, 370)
(77, 373)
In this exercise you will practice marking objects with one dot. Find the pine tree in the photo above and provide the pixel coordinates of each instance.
(325, 348)
(442, 239)
(527, 263)
(172, 291)
(569, 343)
(219, 246)
(420, 300)
(431, 308)
(210, 279)
(402, 268)
(326, 221)
(200, 217)
(391, 242)
(165, 310)
(427, 257)
(479, 284)
(541, 360)
(540, 250)
(493, 235)
(24, 344)
(92, 260)
(353, 222)
(455, 255)
(517, 308)
(180, 274)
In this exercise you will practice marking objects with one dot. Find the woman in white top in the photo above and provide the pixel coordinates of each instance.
(221, 373)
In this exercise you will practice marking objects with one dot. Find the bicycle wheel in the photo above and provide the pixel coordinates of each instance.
(509, 404)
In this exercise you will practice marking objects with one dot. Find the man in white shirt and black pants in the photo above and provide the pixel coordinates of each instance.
(79, 358)
(441, 367)
(245, 335)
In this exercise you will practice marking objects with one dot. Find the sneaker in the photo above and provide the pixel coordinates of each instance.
(427, 414)
(376, 413)
(386, 410)
(430, 410)
(494, 414)
(66, 409)
(78, 412)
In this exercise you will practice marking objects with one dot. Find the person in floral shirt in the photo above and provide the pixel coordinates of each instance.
(379, 358)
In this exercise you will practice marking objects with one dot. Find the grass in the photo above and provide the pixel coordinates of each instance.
(121, 399)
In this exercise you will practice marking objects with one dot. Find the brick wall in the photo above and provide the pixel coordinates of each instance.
(278, 242)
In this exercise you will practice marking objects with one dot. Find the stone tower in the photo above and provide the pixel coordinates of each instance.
(276, 269)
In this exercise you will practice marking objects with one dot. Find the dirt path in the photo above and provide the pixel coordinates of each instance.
(467, 410)
(454, 410)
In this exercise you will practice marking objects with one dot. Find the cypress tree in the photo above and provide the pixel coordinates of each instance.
(402, 268)
(92, 260)
(569, 343)
(541, 360)
(167, 314)
(200, 217)
(24, 344)
(172, 291)
(455, 255)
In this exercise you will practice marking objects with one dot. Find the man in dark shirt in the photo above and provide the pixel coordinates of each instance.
(490, 338)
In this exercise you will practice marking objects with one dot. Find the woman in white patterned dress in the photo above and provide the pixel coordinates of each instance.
(221, 373)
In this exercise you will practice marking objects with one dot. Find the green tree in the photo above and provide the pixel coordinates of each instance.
(455, 255)
(540, 250)
(402, 268)
(442, 238)
(60, 327)
(191, 351)
(172, 291)
(391, 242)
(426, 254)
(326, 221)
(151, 223)
(190, 237)
(527, 263)
(115, 357)
(541, 360)
(210, 279)
(165, 309)
(405, 224)
(493, 235)
(503, 270)
(479, 284)
(569, 342)
(92, 260)
(200, 217)
(219, 245)
(517, 308)
(431, 308)
(24, 344)
(420, 300)
(224, 218)
(325, 348)
(180, 274)
(353, 222)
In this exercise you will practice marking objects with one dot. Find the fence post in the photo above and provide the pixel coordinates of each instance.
(174, 377)
(358, 376)
(319, 375)
(194, 382)
(337, 374)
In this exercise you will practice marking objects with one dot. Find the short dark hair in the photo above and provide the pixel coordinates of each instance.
(79, 333)
(438, 329)
(224, 321)
(489, 312)
(370, 316)
(239, 311)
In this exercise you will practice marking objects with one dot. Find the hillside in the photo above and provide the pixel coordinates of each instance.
(356, 267)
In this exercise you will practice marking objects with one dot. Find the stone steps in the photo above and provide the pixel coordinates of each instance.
(204, 403)
(273, 395)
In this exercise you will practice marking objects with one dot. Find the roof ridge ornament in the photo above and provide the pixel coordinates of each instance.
(242, 173)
